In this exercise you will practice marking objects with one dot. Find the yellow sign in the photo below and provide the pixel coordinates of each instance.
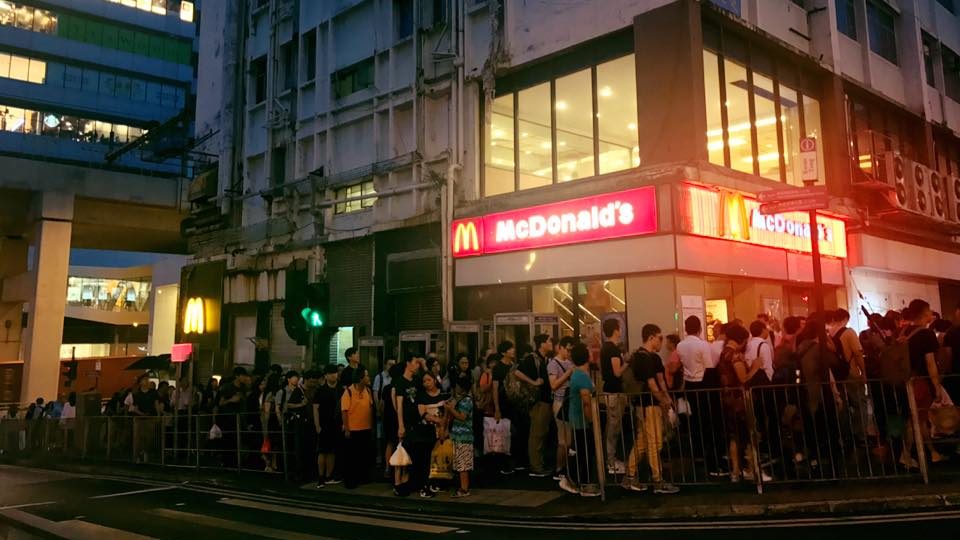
(465, 238)
(193, 316)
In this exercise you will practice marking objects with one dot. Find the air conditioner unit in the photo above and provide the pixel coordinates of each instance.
(938, 196)
(893, 172)
(918, 189)
(953, 198)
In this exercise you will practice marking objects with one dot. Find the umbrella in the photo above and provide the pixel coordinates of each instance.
(158, 362)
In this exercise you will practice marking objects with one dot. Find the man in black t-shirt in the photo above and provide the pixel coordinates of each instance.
(923, 346)
(353, 360)
(327, 423)
(406, 388)
(611, 367)
(541, 413)
(145, 402)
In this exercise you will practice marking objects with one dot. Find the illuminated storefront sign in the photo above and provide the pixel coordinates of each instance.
(193, 317)
(180, 352)
(601, 217)
(719, 214)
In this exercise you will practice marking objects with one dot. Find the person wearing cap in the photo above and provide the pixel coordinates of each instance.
(327, 423)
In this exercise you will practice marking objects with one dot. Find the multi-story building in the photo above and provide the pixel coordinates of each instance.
(588, 160)
(82, 84)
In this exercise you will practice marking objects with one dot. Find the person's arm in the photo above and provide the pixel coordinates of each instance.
(766, 353)
(316, 417)
(398, 405)
(587, 404)
(452, 409)
(931, 359)
(743, 374)
(657, 387)
(616, 363)
(556, 381)
(345, 412)
(523, 377)
(496, 400)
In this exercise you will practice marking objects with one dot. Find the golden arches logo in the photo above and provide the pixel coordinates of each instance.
(466, 240)
(193, 317)
(734, 221)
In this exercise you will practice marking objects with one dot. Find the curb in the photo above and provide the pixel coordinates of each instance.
(645, 510)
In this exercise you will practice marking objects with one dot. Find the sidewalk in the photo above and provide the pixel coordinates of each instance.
(524, 499)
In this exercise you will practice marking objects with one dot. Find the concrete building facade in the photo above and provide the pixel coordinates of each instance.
(81, 86)
(368, 140)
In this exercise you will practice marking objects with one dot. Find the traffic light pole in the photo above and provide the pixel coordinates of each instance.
(817, 277)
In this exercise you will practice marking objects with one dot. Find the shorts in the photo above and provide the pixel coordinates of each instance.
(564, 431)
(328, 440)
(462, 456)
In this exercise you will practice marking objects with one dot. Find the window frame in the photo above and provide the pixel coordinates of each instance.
(846, 22)
(360, 189)
(878, 16)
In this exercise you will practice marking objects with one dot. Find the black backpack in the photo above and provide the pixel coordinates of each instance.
(838, 363)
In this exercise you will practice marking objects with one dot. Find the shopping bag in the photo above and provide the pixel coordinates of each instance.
(400, 457)
(944, 416)
(683, 406)
(266, 447)
(441, 460)
(496, 436)
(215, 433)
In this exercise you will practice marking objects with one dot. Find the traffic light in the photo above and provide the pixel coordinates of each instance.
(318, 305)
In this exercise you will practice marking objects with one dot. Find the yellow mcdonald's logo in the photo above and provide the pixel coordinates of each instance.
(193, 317)
(465, 238)
(734, 221)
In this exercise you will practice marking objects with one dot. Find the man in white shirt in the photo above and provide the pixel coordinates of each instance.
(759, 347)
(695, 354)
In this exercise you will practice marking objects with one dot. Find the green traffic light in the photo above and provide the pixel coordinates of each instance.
(315, 320)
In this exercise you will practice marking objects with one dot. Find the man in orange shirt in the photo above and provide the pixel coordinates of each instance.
(356, 405)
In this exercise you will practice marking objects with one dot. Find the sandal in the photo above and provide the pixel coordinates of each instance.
(460, 494)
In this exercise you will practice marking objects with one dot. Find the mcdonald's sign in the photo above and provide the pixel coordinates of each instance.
(599, 217)
(466, 237)
(194, 317)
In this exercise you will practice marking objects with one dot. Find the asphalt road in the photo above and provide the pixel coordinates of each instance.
(86, 506)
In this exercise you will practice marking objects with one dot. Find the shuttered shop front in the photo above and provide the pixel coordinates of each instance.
(349, 267)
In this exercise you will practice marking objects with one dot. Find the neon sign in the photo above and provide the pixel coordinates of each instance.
(193, 316)
(733, 216)
(600, 217)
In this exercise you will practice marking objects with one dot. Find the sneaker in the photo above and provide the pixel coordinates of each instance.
(748, 476)
(434, 489)
(617, 467)
(535, 474)
(719, 474)
(460, 494)
(664, 488)
(506, 472)
(321, 483)
(334, 481)
(559, 475)
(734, 478)
(427, 494)
(590, 490)
(567, 486)
(633, 484)
(520, 468)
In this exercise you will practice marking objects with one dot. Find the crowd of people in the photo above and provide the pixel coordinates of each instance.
(529, 408)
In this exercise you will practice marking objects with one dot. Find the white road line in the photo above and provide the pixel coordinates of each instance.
(75, 529)
(344, 518)
(27, 505)
(235, 526)
(136, 492)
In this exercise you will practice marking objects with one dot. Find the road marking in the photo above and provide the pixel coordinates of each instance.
(26, 505)
(345, 518)
(235, 526)
(74, 529)
(136, 492)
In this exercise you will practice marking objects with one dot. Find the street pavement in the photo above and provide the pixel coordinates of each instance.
(67, 505)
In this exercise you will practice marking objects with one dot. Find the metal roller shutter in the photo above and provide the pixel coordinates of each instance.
(419, 311)
(349, 272)
(283, 349)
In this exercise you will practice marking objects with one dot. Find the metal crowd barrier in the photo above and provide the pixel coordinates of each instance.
(585, 464)
(831, 431)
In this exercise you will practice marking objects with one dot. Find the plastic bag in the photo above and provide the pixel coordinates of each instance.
(400, 457)
(683, 406)
(943, 415)
(266, 447)
(496, 436)
(215, 433)
(441, 460)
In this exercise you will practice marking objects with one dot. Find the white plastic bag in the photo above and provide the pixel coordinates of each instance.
(496, 436)
(400, 457)
(215, 433)
(683, 406)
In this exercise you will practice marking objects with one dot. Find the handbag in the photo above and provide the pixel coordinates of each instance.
(441, 460)
(496, 436)
(400, 457)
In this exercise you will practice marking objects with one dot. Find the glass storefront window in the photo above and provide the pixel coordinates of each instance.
(581, 306)
(498, 173)
(790, 129)
(711, 77)
(768, 148)
(574, 106)
(536, 156)
(738, 117)
(19, 68)
(617, 114)
(108, 294)
(570, 112)
(811, 109)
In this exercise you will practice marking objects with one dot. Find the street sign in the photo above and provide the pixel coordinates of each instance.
(790, 194)
(795, 205)
(808, 159)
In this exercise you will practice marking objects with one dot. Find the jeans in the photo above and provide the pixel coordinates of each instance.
(615, 406)
(540, 418)
(419, 445)
(648, 439)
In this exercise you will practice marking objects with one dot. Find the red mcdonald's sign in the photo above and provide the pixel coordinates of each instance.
(599, 217)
